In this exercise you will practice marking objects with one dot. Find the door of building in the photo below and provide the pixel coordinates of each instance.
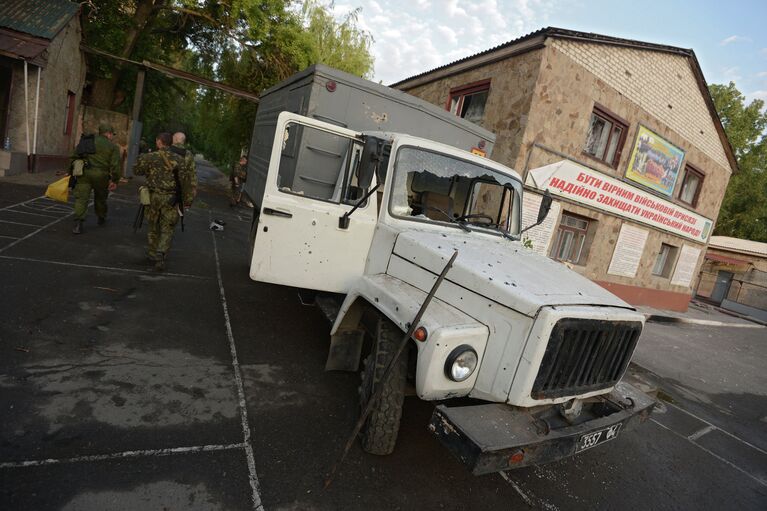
(722, 286)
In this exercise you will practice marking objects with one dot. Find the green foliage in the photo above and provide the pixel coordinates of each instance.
(527, 243)
(744, 208)
(249, 44)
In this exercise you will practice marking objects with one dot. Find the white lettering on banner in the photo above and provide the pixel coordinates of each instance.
(589, 187)
(685, 266)
(628, 251)
(540, 235)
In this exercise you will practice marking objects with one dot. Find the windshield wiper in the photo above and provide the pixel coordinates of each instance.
(452, 220)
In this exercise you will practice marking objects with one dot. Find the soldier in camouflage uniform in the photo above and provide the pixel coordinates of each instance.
(164, 171)
(100, 174)
(238, 176)
(178, 147)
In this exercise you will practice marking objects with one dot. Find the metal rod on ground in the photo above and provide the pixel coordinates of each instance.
(377, 392)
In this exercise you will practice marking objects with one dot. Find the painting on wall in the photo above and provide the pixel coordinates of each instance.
(655, 162)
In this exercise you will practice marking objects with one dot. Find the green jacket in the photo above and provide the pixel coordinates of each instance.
(106, 158)
(188, 171)
(158, 167)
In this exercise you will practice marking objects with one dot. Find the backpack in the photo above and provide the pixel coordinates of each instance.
(86, 145)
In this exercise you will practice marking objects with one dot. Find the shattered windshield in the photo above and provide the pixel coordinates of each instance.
(439, 188)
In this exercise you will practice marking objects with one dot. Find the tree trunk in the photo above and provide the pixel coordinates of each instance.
(103, 93)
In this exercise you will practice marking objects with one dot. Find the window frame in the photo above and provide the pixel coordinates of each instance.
(346, 171)
(69, 112)
(668, 266)
(607, 115)
(701, 179)
(465, 90)
(555, 248)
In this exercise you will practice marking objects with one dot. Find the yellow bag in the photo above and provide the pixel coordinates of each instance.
(59, 190)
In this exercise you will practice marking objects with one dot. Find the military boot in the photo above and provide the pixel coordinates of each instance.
(159, 264)
(78, 228)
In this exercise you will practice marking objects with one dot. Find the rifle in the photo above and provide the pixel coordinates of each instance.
(179, 197)
(139, 220)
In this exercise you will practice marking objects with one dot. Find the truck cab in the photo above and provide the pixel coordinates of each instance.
(522, 356)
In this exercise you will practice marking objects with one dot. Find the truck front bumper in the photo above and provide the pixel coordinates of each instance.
(491, 437)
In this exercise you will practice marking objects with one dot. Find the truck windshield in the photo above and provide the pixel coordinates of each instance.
(440, 188)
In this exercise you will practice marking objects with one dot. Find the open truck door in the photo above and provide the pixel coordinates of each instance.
(312, 181)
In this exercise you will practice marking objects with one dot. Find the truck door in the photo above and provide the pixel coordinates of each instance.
(311, 182)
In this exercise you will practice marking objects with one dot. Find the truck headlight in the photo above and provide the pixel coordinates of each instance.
(461, 363)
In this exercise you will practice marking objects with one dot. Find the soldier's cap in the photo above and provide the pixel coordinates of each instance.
(105, 128)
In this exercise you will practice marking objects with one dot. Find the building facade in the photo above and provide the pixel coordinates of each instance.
(622, 133)
(42, 73)
(734, 276)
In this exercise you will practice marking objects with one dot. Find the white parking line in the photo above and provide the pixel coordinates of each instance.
(21, 203)
(19, 223)
(34, 232)
(727, 462)
(252, 476)
(124, 454)
(105, 268)
(734, 437)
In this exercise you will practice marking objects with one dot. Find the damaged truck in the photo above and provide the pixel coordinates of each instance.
(362, 193)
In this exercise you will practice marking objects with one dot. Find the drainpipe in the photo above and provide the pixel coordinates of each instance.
(37, 108)
(26, 107)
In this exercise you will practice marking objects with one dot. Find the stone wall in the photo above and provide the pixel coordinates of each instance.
(663, 84)
(749, 284)
(64, 72)
(564, 98)
(512, 82)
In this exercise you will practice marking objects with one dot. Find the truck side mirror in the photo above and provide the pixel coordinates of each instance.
(371, 157)
(543, 211)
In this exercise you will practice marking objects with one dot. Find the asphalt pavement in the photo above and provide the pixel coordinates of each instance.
(122, 388)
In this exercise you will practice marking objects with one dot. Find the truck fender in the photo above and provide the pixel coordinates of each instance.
(398, 301)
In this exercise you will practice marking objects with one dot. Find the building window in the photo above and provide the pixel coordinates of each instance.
(665, 260)
(469, 101)
(570, 241)
(69, 114)
(606, 136)
(691, 185)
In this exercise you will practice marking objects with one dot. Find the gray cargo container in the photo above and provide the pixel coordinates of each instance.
(311, 164)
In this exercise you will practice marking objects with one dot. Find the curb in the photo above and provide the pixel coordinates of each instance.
(656, 318)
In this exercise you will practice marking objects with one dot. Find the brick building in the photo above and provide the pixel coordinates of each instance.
(622, 133)
(42, 73)
(734, 276)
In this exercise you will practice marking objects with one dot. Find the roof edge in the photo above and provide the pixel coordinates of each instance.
(561, 33)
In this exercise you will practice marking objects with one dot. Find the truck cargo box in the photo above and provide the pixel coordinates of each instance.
(339, 98)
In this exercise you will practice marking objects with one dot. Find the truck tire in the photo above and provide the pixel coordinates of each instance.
(379, 433)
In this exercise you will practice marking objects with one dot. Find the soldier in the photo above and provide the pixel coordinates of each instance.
(101, 173)
(170, 191)
(179, 139)
(238, 176)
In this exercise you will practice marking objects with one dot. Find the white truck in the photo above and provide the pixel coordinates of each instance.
(522, 356)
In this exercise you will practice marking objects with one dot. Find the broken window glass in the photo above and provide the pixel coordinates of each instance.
(436, 187)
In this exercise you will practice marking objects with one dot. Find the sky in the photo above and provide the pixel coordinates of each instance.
(413, 36)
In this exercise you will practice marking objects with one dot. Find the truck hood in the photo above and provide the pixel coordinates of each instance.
(503, 271)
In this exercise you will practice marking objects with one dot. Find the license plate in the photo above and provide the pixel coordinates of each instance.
(595, 438)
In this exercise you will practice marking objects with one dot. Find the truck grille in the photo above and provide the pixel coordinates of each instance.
(585, 355)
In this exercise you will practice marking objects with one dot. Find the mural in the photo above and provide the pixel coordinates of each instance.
(655, 162)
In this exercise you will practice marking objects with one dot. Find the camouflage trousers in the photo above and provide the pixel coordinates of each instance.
(98, 182)
(162, 217)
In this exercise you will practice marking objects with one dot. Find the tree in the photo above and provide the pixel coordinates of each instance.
(744, 208)
(249, 44)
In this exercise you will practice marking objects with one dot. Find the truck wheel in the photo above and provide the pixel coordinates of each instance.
(379, 434)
